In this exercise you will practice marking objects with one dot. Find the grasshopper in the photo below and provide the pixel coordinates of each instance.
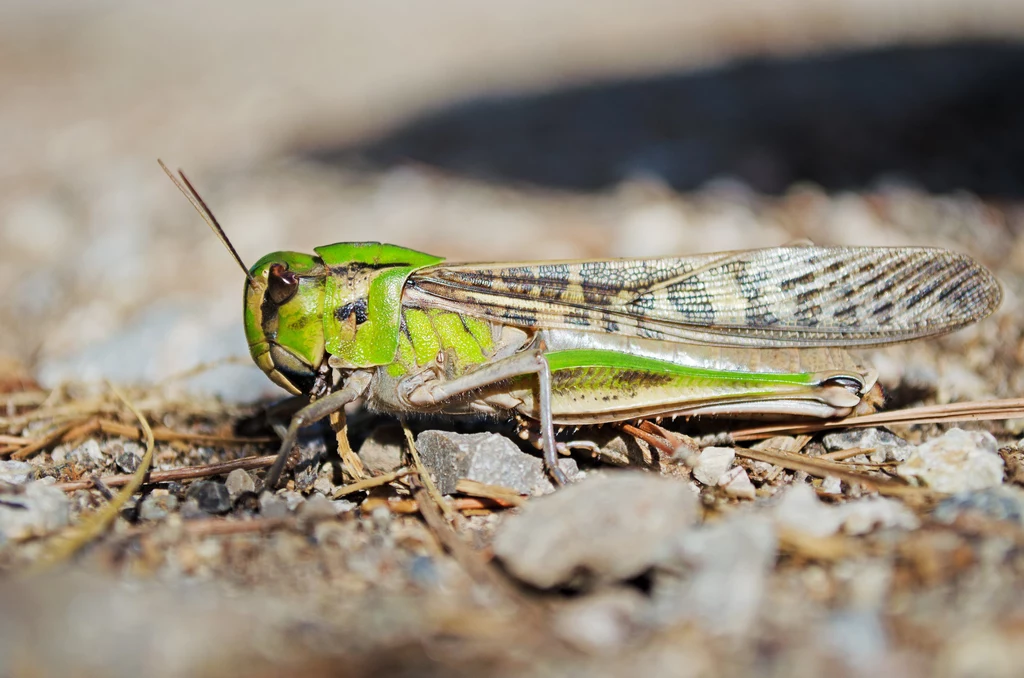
(751, 333)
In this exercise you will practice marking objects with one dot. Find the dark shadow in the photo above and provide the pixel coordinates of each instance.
(944, 118)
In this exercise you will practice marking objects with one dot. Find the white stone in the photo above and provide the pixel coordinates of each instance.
(958, 461)
(712, 464)
(736, 483)
(15, 472)
(37, 510)
(800, 509)
(832, 485)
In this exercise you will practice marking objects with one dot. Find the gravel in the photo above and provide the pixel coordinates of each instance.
(712, 463)
(881, 446)
(957, 461)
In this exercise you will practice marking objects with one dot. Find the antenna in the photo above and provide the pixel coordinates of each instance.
(185, 186)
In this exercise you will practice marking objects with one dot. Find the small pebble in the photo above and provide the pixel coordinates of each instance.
(383, 450)
(736, 483)
(273, 506)
(957, 461)
(15, 472)
(344, 506)
(87, 454)
(157, 506)
(884, 445)
(712, 463)
(292, 499)
(35, 509)
(799, 508)
(323, 485)
(127, 461)
(832, 485)
(210, 497)
(238, 482)
(611, 527)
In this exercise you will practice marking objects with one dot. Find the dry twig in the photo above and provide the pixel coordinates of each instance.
(184, 473)
(369, 483)
(424, 475)
(987, 410)
(66, 545)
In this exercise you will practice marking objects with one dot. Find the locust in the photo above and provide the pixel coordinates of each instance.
(749, 333)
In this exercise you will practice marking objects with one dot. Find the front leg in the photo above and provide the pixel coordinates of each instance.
(354, 387)
(435, 394)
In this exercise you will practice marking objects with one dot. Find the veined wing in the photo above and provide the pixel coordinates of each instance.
(782, 296)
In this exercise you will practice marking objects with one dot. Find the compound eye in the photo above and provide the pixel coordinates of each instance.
(281, 284)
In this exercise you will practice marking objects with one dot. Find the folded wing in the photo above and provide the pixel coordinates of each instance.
(776, 297)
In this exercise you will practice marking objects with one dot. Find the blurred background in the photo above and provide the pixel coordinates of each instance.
(476, 131)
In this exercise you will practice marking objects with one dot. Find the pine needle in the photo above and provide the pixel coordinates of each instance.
(64, 546)
(424, 475)
(985, 410)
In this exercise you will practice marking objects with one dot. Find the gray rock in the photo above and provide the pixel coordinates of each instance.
(210, 497)
(957, 461)
(382, 451)
(292, 499)
(239, 482)
(485, 457)
(725, 567)
(998, 503)
(273, 506)
(609, 527)
(885, 446)
(32, 510)
(344, 506)
(127, 461)
(323, 485)
(157, 506)
(15, 472)
(87, 454)
(712, 463)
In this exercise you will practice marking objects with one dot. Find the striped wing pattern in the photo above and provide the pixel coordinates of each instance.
(775, 297)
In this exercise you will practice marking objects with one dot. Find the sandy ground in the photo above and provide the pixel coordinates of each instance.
(543, 130)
